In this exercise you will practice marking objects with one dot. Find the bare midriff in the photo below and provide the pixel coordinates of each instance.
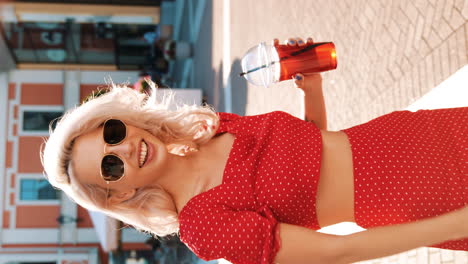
(335, 194)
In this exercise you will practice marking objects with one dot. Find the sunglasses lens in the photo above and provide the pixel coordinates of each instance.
(114, 131)
(112, 168)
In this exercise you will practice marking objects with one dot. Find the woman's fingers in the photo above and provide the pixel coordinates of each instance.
(298, 80)
(307, 81)
(275, 42)
(290, 41)
(297, 41)
(300, 42)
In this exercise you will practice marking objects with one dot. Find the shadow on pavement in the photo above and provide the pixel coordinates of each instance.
(218, 90)
(204, 75)
(210, 79)
(239, 88)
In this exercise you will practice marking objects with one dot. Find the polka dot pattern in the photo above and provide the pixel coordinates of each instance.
(410, 166)
(271, 176)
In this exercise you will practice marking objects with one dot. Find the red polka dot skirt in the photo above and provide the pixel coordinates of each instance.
(410, 166)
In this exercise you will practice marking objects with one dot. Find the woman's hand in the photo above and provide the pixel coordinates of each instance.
(311, 84)
(306, 82)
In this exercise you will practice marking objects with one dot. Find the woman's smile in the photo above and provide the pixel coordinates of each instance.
(143, 153)
(146, 153)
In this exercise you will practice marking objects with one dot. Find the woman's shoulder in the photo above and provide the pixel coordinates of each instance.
(248, 124)
(227, 116)
(233, 116)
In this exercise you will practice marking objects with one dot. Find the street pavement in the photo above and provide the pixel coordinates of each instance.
(390, 53)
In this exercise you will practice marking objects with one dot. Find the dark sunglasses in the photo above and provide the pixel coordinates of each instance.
(112, 167)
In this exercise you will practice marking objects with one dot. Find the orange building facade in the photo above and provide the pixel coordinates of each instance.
(38, 223)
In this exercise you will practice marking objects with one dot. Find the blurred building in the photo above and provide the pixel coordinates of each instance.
(52, 55)
(105, 35)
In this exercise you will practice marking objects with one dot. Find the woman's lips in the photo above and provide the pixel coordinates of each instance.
(142, 153)
(150, 153)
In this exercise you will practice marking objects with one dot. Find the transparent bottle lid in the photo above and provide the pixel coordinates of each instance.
(260, 65)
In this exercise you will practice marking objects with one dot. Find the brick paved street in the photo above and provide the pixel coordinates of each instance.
(390, 53)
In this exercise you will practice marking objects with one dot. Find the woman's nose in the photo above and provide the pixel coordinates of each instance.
(124, 149)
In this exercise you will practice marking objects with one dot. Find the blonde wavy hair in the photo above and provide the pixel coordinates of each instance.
(151, 209)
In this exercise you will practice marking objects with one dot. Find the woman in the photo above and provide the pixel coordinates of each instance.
(253, 189)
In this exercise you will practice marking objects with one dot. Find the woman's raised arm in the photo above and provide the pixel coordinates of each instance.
(314, 102)
(311, 84)
(301, 245)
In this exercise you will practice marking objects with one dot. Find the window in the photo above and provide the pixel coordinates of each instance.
(39, 120)
(37, 189)
(39, 262)
(42, 262)
(119, 41)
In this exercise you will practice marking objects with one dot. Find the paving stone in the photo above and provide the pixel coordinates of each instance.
(409, 40)
(424, 48)
(447, 256)
(411, 11)
(448, 9)
(422, 77)
(410, 94)
(412, 260)
(395, 71)
(445, 60)
(390, 52)
(418, 31)
(461, 257)
(423, 255)
(456, 20)
(435, 257)
(433, 39)
(421, 5)
(453, 54)
(436, 62)
(405, 64)
(402, 258)
(429, 17)
(444, 29)
(438, 13)
(369, 13)
(462, 44)
(411, 253)
(458, 4)
(464, 10)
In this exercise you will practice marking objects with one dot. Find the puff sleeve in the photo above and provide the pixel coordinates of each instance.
(241, 237)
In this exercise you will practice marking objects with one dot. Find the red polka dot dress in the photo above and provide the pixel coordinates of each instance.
(410, 166)
(271, 176)
(407, 166)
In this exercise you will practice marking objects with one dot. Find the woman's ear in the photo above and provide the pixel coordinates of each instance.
(117, 197)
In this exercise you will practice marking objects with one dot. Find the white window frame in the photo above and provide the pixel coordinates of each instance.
(31, 176)
(39, 256)
(35, 108)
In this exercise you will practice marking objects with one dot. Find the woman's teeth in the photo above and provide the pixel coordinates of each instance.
(144, 151)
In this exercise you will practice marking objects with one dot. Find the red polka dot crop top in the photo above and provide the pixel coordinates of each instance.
(271, 176)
